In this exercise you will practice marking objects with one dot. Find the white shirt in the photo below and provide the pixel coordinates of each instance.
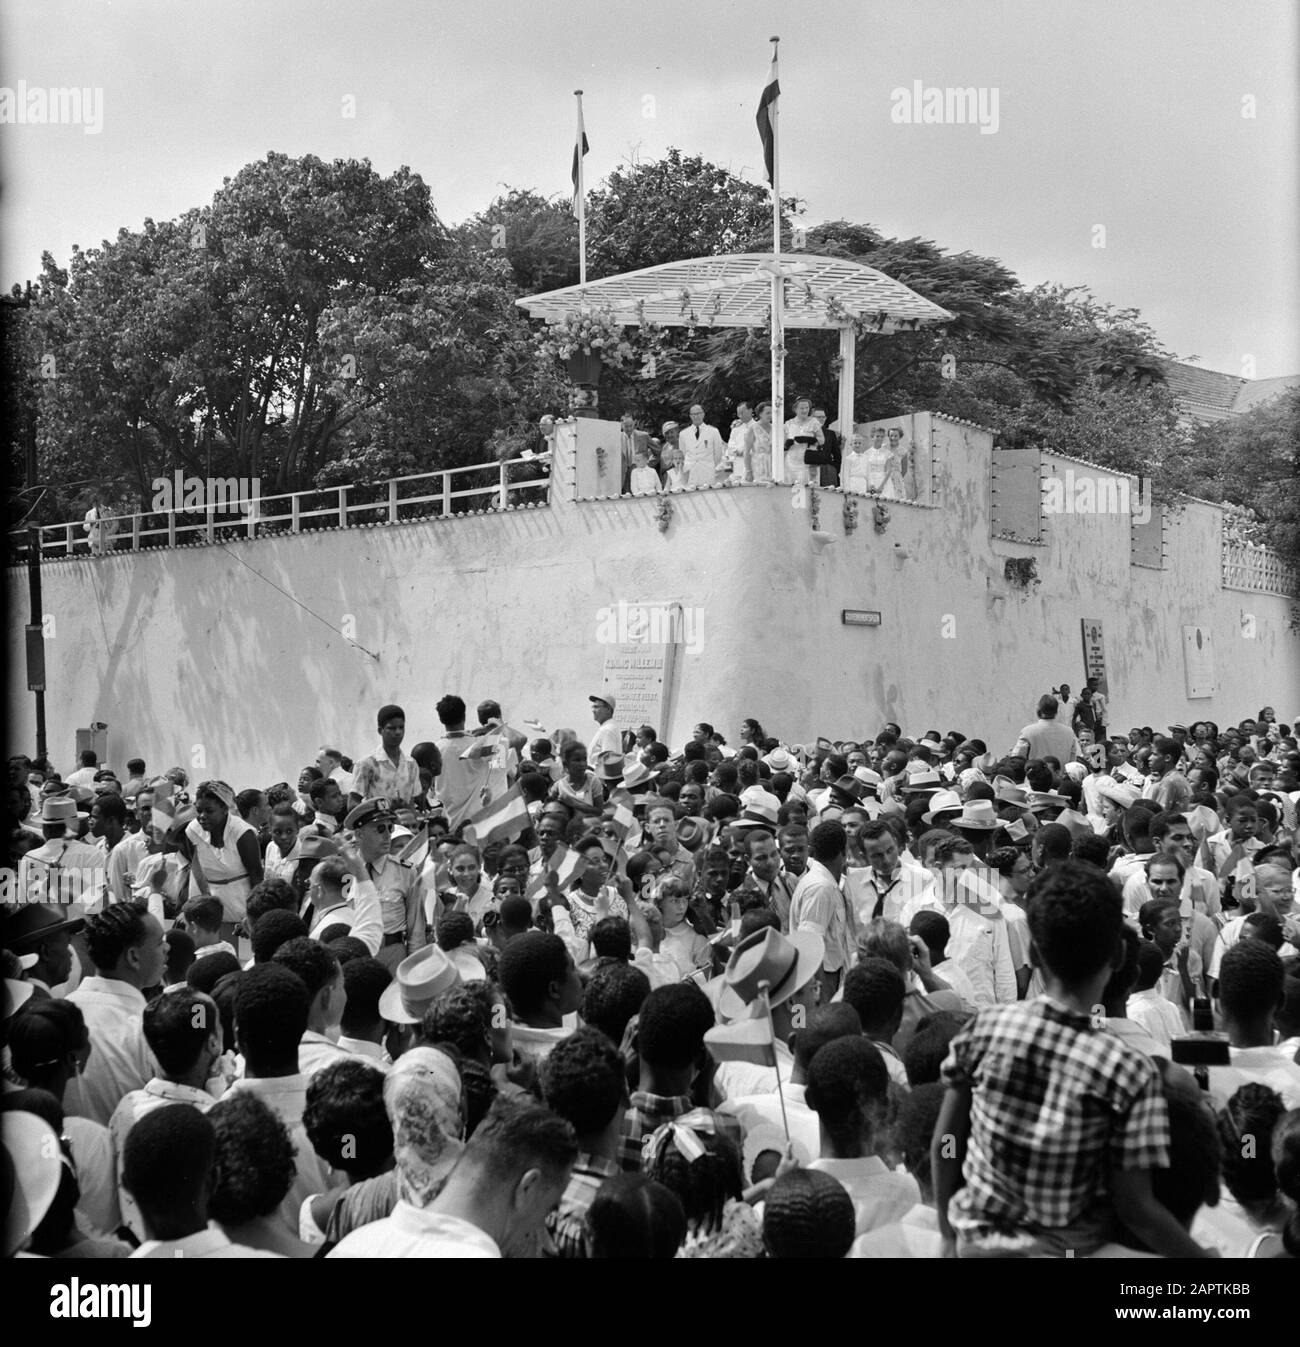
(413, 1232)
(120, 1059)
(914, 1235)
(607, 739)
(879, 1195)
(764, 1107)
(737, 1080)
(1157, 1015)
(363, 1047)
(702, 450)
(92, 1153)
(1268, 1066)
(1229, 936)
(951, 973)
(286, 1096)
(209, 1243)
(316, 1052)
(363, 912)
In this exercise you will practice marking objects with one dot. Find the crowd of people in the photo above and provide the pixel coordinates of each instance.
(530, 993)
(875, 462)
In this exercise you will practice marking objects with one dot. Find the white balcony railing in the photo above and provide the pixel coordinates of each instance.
(438, 495)
(1257, 569)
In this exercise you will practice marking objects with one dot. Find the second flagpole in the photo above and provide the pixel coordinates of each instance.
(778, 293)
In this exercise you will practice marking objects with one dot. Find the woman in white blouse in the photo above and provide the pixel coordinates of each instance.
(223, 852)
(801, 433)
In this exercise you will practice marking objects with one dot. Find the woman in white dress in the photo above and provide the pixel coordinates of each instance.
(802, 432)
(223, 852)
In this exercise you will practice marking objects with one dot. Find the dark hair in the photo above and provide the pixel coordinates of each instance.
(582, 1080)
(1054, 842)
(827, 840)
(1250, 1116)
(1075, 919)
(205, 913)
(1195, 1158)
(111, 806)
(254, 1165)
(928, 1046)
(875, 989)
(615, 992)
(704, 1184)
(758, 917)
(1251, 979)
(273, 929)
(453, 930)
(206, 972)
(1124, 978)
(848, 1084)
(345, 947)
(461, 1017)
(316, 964)
(271, 1004)
(674, 1020)
(1152, 911)
(918, 1113)
(825, 1025)
(517, 1136)
(41, 1037)
(176, 1026)
(168, 1157)
(451, 710)
(529, 964)
(631, 1216)
(516, 914)
(268, 895)
(808, 1214)
(135, 766)
(1150, 964)
(110, 933)
(1091, 850)
(345, 1118)
(319, 789)
(611, 938)
(364, 982)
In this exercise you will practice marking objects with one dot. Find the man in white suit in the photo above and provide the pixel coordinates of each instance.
(702, 449)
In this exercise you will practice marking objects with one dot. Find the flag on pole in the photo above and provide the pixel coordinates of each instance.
(580, 148)
(564, 864)
(766, 113)
(749, 1040)
(164, 810)
(624, 820)
(416, 850)
(504, 818)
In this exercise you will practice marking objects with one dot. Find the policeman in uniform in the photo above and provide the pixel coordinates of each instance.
(400, 893)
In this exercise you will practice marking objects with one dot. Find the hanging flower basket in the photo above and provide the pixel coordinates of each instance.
(593, 333)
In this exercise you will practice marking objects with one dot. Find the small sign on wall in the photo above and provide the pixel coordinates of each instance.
(1094, 652)
(859, 617)
(1198, 662)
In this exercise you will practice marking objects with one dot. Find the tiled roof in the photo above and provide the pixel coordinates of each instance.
(1255, 392)
(1210, 395)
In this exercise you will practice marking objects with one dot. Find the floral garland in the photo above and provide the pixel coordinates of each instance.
(587, 332)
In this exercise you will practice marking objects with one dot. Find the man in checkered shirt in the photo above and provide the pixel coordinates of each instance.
(1052, 1124)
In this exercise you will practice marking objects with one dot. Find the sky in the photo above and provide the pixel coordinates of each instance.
(1144, 148)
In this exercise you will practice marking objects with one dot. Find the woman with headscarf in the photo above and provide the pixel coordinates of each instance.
(223, 852)
(422, 1094)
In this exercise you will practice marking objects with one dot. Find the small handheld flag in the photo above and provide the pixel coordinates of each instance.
(504, 818)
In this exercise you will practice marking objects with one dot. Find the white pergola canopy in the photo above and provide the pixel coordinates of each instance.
(736, 291)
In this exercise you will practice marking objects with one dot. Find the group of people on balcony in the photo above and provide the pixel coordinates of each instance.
(696, 454)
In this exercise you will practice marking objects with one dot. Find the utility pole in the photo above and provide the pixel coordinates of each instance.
(36, 626)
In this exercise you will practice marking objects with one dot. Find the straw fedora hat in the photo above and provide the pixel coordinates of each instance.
(785, 963)
(420, 978)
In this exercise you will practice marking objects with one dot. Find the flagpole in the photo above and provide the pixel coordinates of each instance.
(780, 1094)
(582, 198)
(778, 300)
